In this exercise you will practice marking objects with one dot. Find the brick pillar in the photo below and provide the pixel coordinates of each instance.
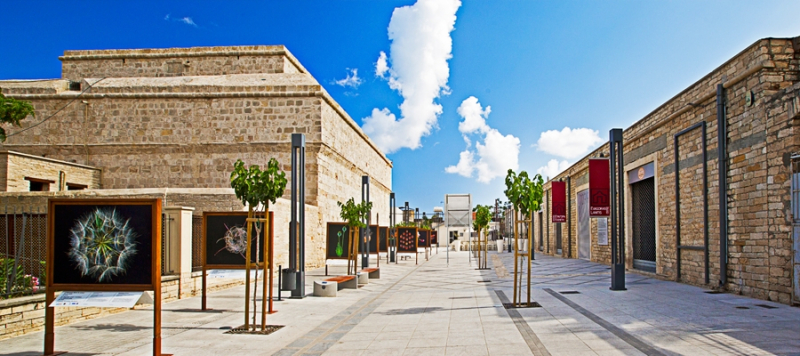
(179, 246)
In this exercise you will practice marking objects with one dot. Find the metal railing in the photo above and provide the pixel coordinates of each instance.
(197, 239)
(23, 241)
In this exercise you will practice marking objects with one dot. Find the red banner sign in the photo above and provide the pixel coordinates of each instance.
(599, 188)
(559, 202)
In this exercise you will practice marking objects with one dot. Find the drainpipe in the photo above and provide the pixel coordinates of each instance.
(722, 140)
(569, 217)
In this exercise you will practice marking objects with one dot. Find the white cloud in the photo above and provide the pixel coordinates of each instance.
(185, 20)
(381, 67)
(568, 143)
(351, 80)
(465, 166)
(492, 158)
(421, 46)
(553, 168)
(474, 116)
(188, 21)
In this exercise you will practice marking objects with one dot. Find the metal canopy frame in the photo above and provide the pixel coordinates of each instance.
(463, 219)
(704, 248)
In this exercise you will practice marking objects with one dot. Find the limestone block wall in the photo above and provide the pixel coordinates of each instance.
(347, 157)
(761, 91)
(15, 167)
(168, 62)
(173, 142)
(167, 121)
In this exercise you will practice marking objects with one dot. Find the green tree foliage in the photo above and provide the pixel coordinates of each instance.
(483, 215)
(355, 214)
(12, 111)
(253, 186)
(425, 224)
(525, 194)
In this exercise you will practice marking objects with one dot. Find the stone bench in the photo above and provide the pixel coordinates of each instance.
(374, 272)
(325, 288)
(344, 282)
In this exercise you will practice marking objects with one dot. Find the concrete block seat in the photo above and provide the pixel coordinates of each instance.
(344, 282)
(374, 272)
(325, 288)
(363, 277)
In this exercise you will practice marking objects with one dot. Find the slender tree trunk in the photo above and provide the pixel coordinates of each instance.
(255, 287)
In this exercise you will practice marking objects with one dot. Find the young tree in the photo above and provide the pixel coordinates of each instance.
(525, 195)
(257, 189)
(354, 215)
(483, 215)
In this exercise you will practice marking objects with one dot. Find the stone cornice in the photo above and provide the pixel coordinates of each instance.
(184, 53)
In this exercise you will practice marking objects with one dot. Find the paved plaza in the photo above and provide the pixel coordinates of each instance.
(441, 308)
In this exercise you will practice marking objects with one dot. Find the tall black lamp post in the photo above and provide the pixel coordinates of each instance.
(365, 233)
(617, 211)
(297, 226)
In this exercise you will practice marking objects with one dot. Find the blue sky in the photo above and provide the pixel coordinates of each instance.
(541, 66)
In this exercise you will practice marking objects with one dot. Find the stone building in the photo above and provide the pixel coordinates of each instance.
(759, 91)
(170, 123)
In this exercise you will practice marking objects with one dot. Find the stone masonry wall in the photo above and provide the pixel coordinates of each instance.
(343, 161)
(155, 131)
(170, 62)
(173, 142)
(19, 166)
(760, 141)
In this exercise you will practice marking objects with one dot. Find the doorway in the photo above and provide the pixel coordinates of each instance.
(584, 240)
(644, 225)
(558, 238)
(541, 231)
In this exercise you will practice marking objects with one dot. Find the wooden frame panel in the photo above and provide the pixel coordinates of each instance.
(238, 214)
(155, 245)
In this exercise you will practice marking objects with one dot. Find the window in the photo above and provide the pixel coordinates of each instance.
(39, 185)
(74, 186)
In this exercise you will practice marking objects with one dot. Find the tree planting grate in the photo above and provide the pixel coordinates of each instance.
(712, 292)
(741, 307)
(766, 306)
(269, 329)
(521, 305)
(570, 292)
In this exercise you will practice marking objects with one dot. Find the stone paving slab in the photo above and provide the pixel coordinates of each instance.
(441, 308)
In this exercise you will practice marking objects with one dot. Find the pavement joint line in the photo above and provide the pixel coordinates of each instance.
(321, 338)
(622, 334)
(536, 346)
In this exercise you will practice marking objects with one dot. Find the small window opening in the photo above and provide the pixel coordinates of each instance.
(74, 86)
(73, 186)
(39, 185)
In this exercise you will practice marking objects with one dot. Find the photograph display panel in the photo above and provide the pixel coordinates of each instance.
(434, 237)
(103, 244)
(407, 239)
(225, 240)
(338, 241)
(423, 241)
(383, 234)
(372, 237)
